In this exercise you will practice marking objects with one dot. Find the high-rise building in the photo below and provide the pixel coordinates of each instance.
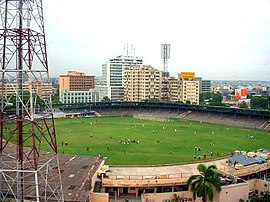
(174, 88)
(142, 82)
(205, 85)
(113, 74)
(189, 88)
(77, 87)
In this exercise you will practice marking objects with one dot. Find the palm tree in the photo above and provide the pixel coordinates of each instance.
(204, 184)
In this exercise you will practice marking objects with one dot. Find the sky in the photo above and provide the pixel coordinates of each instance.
(217, 39)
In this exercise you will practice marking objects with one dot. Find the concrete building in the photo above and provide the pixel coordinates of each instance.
(160, 183)
(77, 87)
(189, 88)
(205, 85)
(268, 90)
(184, 88)
(71, 97)
(43, 89)
(174, 88)
(113, 74)
(142, 82)
(76, 81)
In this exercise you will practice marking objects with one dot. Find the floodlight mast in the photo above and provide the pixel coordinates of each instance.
(26, 172)
(165, 55)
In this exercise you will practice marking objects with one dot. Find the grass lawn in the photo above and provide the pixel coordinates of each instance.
(129, 141)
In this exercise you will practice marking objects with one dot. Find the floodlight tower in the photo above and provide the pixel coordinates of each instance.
(25, 170)
(165, 55)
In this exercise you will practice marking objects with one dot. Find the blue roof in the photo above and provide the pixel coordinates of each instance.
(244, 160)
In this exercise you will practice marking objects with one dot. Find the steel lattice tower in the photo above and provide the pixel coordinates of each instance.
(26, 172)
(165, 55)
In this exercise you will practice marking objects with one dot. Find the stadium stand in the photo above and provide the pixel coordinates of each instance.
(249, 118)
(226, 119)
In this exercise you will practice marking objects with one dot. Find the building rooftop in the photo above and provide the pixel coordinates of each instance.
(76, 173)
(172, 174)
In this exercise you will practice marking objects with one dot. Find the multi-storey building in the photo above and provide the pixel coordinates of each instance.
(113, 75)
(185, 88)
(189, 88)
(141, 82)
(77, 87)
(174, 88)
(76, 81)
(205, 85)
(43, 89)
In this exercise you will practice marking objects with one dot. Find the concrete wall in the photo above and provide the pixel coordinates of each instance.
(233, 193)
(95, 177)
(99, 197)
(259, 185)
(158, 197)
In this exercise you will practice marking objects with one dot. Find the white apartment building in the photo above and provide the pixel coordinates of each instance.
(142, 82)
(70, 97)
(113, 74)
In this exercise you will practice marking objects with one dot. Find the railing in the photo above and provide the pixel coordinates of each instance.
(147, 177)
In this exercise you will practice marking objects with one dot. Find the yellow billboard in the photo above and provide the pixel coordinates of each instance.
(187, 75)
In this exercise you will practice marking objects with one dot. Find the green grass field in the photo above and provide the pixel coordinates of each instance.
(129, 141)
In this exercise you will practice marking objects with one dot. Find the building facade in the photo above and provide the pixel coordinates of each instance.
(113, 75)
(76, 81)
(205, 86)
(42, 90)
(77, 87)
(141, 82)
(189, 88)
(174, 88)
(70, 97)
(185, 88)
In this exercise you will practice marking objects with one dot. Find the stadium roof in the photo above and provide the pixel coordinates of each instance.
(243, 160)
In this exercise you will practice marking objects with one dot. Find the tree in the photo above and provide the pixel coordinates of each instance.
(214, 99)
(243, 105)
(260, 102)
(204, 184)
(154, 100)
(255, 198)
(105, 99)
(176, 198)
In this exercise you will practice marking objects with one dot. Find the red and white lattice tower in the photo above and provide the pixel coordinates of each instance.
(29, 164)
